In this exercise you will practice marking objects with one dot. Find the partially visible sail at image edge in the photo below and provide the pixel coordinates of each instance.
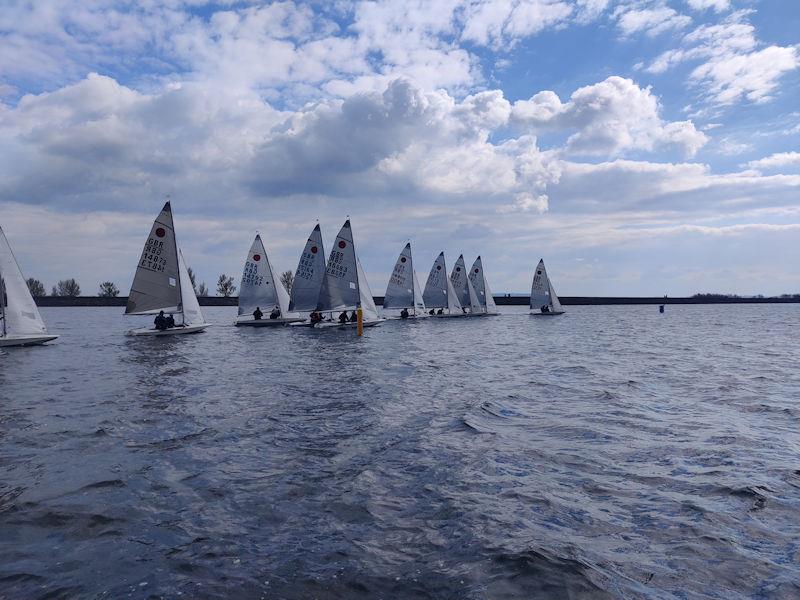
(309, 275)
(258, 287)
(400, 290)
(156, 284)
(20, 313)
(340, 286)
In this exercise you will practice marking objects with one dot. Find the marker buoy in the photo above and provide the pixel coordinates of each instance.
(360, 319)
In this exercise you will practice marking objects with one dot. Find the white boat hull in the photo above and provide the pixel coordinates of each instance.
(450, 315)
(150, 331)
(25, 340)
(268, 322)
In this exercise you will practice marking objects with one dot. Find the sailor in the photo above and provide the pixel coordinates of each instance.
(257, 314)
(404, 313)
(170, 320)
(354, 317)
(160, 321)
(432, 312)
(440, 311)
(276, 312)
(343, 317)
(545, 308)
(315, 318)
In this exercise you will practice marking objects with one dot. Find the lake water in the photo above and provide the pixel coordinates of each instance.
(610, 452)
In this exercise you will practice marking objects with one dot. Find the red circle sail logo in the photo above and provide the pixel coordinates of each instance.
(403, 259)
(342, 243)
(160, 232)
(256, 257)
(477, 271)
(438, 267)
(458, 269)
(314, 249)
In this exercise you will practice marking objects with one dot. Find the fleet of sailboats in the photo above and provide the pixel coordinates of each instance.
(544, 300)
(323, 295)
(161, 284)
(20, 321)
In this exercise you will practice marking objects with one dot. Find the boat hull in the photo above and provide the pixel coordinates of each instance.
(348, 325)
(25, 340)
(451, 316)
(149, 331)
(547, 314)
(268, 322)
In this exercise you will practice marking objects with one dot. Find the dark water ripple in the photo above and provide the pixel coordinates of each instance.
(609, 453)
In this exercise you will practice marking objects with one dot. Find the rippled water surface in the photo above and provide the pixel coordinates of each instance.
(610, 452)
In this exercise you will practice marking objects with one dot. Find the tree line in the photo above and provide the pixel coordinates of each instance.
(108, 289)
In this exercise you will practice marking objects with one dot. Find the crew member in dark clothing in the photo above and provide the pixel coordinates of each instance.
(315, 318)
(257, 314)
(404, 313)
(343, 317)
(170, 322)
(354, 317)
(545, 309)
(440, 311)
(160, 321)
(432, 311)
(276, 312)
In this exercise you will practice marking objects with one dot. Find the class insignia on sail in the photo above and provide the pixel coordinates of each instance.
(544, 300)
(162, 286)
(20, 321)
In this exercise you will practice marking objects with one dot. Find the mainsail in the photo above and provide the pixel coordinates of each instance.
(478, 278)
(259, 286)
(367, 302)
(474, 302)
(20, 316)
(542, 292)
(459, 278)
(156, 284)
(419, 303)
(340, 286)
(309, 275)
(439, 291)
(400, 291)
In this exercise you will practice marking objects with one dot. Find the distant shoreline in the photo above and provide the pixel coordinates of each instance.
(501, 300)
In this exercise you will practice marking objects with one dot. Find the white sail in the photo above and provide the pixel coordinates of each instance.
(367, 302)
(474, 302)
(309, 275)
(340, 287)
(477, 276)
(540, 288)
(258, 287)
(453, 305)
(400, 290)
(192, 315)
(557, 308)
(459, 278)
(419, 303)
(435, 294)
(283, 302)
(156, 284)
(20, 316)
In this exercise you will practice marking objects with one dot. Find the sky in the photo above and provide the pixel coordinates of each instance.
(641, 147)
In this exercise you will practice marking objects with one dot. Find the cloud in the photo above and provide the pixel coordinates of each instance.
(733, 67)
(779, 159)
(717, 5)
(652, 21)
(501, 23)
(611, 117)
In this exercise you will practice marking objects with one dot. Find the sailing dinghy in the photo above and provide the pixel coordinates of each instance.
(308, 278)
(20, 321)
(544, 301)
(162, 282)
(345, 286)
(467, 295)
(477, 277)
(439, 292)
(261, 290)
(403, 291)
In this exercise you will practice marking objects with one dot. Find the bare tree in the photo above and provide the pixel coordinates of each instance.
(199, 290)
(225, 286)
(109, 289)
(36, 287)
(67, 287)
(287, 279)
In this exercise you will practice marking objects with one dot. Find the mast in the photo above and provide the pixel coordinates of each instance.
(3, 305)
